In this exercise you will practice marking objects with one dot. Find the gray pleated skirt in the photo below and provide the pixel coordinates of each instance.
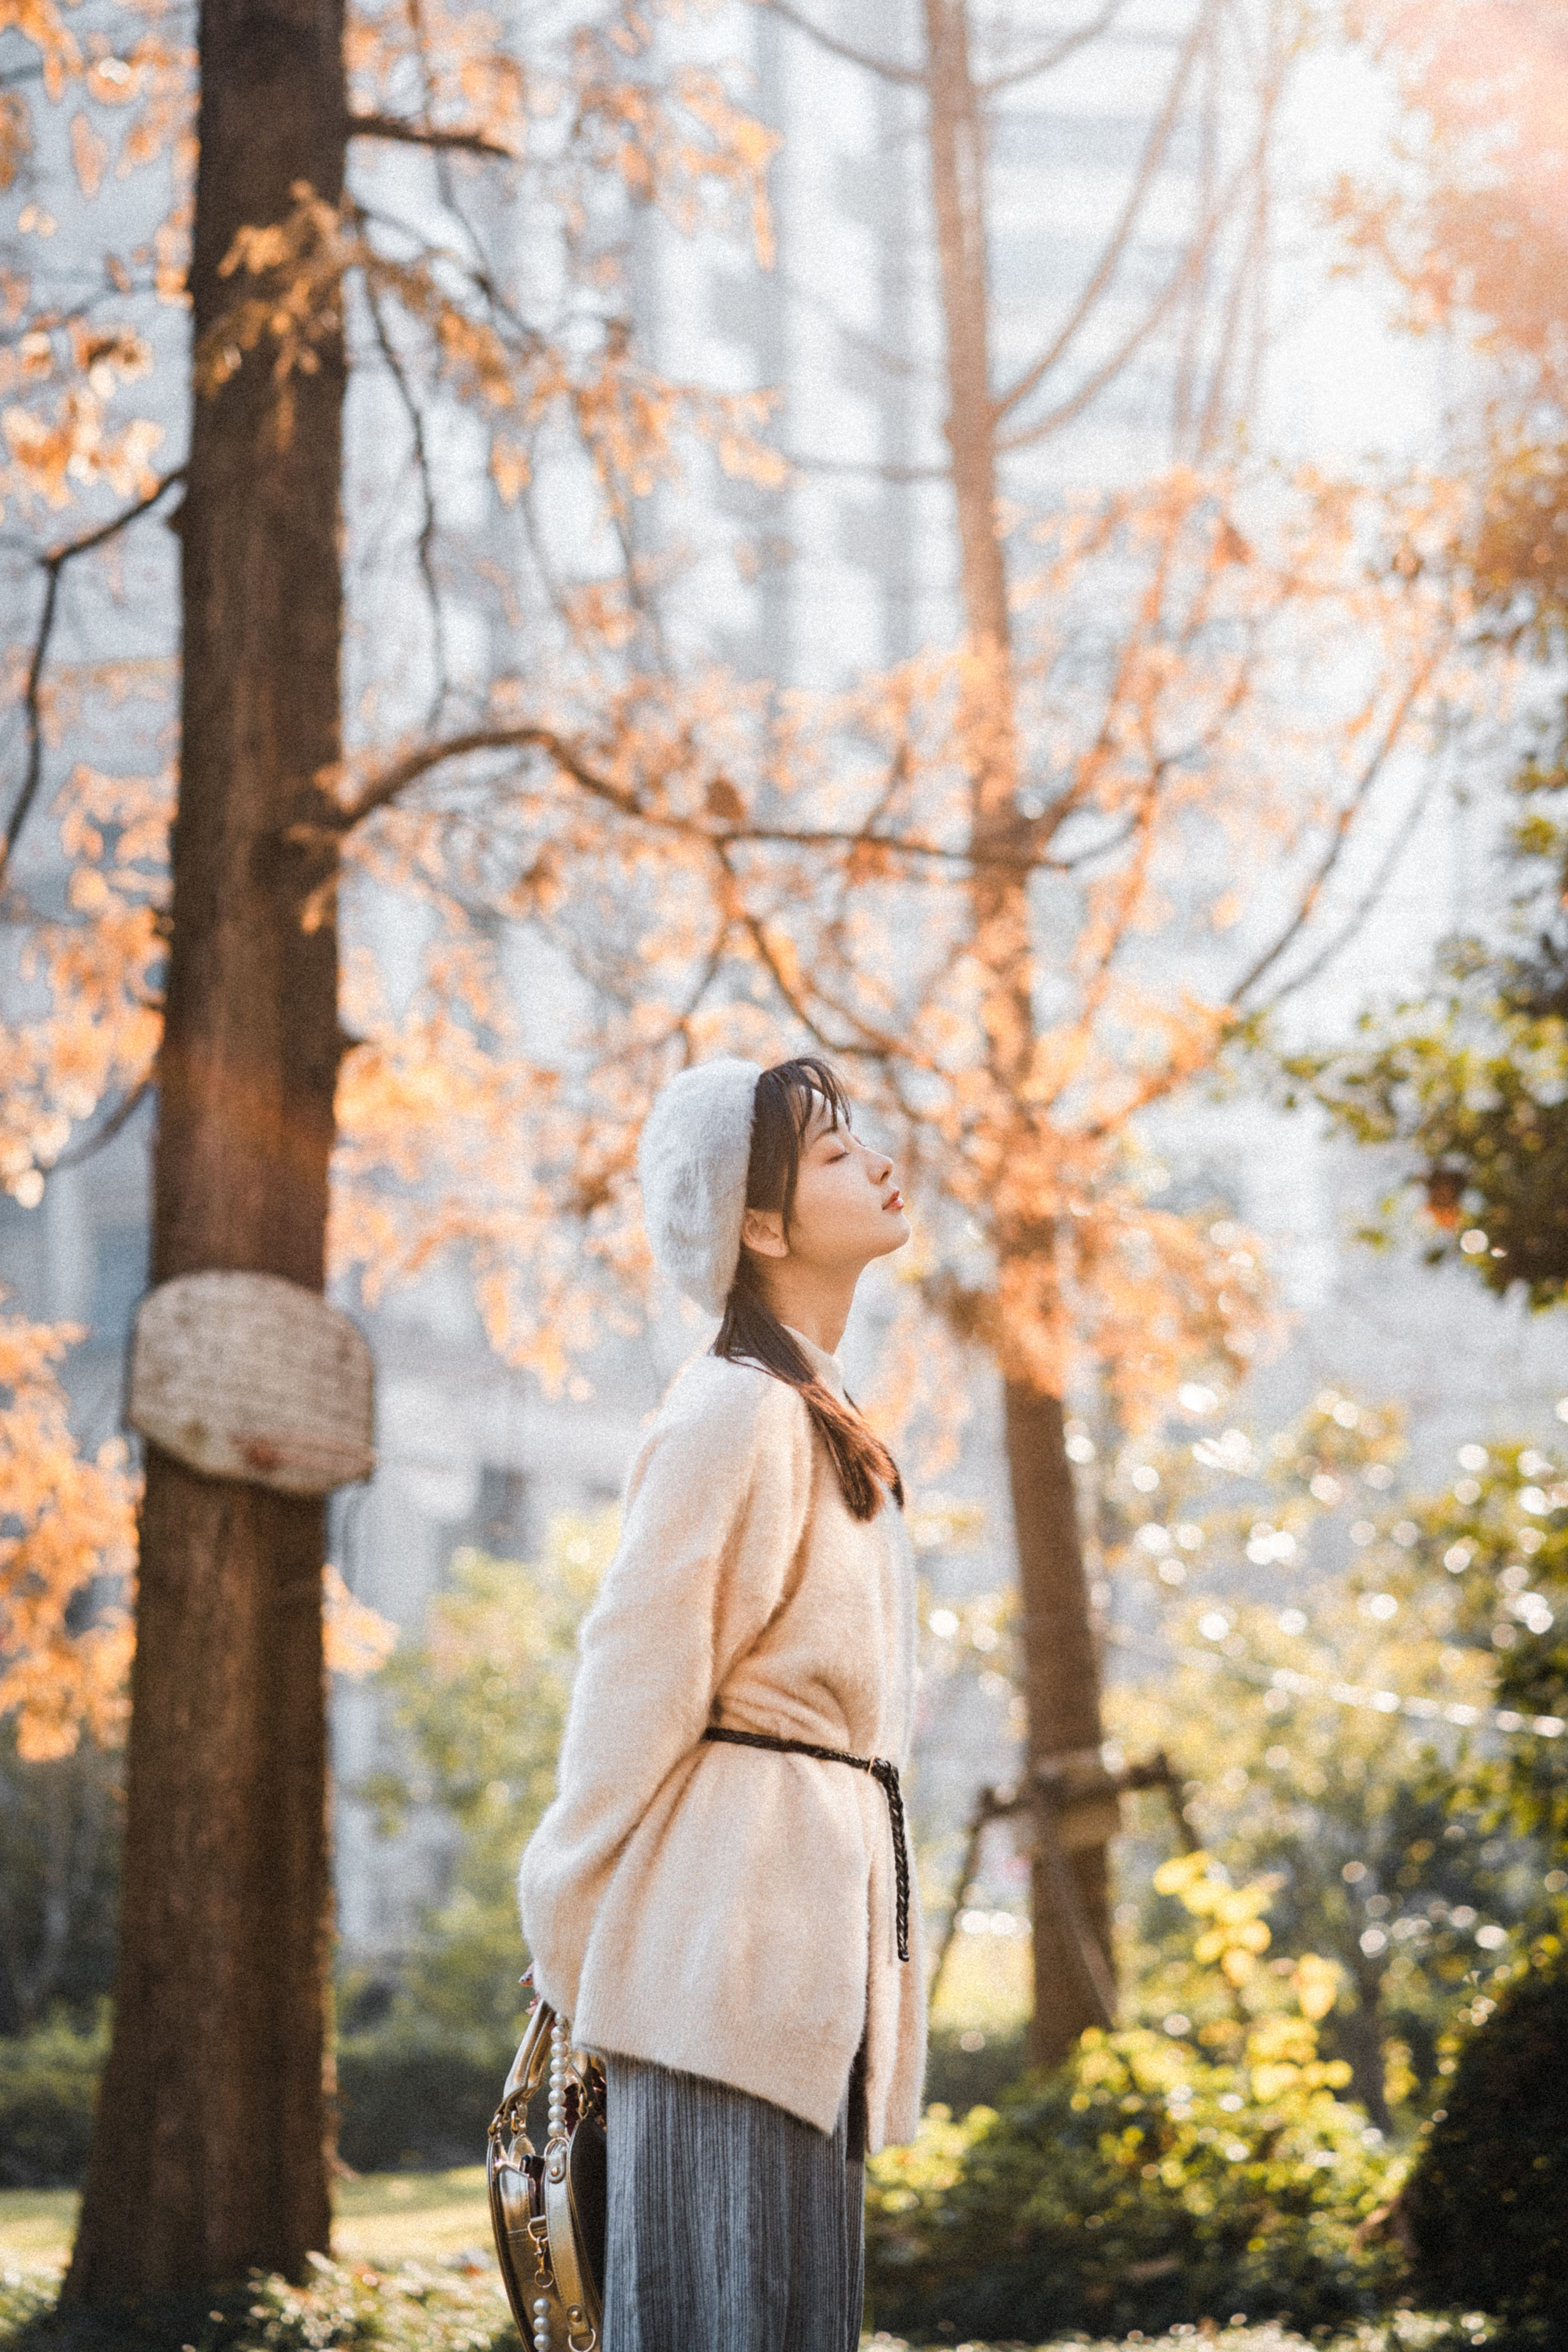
(733, 2227)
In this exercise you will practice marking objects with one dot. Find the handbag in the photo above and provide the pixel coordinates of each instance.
(548, 2211)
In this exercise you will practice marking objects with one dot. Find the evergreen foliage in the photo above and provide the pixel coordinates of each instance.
(59, 1881)
(405, 2100)
(1470, 1082)
(419, 2103)
(49, 2082)
(1486, 2202)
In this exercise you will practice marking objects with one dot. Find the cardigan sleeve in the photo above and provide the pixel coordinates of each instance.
(716, 1507)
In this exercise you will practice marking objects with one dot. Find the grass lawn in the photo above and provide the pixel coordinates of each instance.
(35, 2224)
(426, 2226)
(385, 2219)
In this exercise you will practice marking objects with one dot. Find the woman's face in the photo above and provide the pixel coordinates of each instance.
(847, 1205)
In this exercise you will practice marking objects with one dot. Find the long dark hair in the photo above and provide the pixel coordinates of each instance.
(751, 1333)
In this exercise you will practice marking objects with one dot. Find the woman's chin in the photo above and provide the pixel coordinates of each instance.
(899, 1232)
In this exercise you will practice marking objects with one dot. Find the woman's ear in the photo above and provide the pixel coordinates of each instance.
(763, 1229)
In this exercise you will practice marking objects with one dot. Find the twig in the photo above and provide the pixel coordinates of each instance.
(383, 790)
(1196, 258)
(1066, 410)
(52, 565)
(421, 134)
(839, 1047)
(876, 465)
(121, 1116)
(1369, 898)
(1056, 55)
(1343, 822)
(910, 76)
(1093, 1967)
(979, 1821)
(1049, 1791)
(427, 541)
(1117, 243)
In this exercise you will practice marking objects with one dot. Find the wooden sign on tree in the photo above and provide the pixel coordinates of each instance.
(249, 1376)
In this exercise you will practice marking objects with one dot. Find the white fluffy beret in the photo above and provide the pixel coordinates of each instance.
(692, 1161)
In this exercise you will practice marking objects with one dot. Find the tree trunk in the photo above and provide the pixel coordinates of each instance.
(1061, 1669)
(211, 2151)
(1358, 2036)
(1061, 1685)
(958, 199)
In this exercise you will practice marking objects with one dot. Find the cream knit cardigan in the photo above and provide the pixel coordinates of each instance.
(727, 1911)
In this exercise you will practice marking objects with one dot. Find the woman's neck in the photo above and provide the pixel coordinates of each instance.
(812, 1302)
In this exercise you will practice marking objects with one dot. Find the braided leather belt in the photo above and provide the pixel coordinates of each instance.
(882, 1771)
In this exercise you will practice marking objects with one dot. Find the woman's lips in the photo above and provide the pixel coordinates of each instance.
(895, 1200)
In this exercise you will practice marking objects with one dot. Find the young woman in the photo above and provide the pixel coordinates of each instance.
(720, 1897)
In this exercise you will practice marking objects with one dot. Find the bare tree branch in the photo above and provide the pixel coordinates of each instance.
(1121, 235)
(876, 465)
(124, 1111)
(904, 364)
(1190, 354)
(473, 268)
(870, 1044)
(1193, 260)
(1238, 351)
(767, 957)
(425, 544)
(1057, 54)
(911, 75)
(384, 791)
(1096, 380)
(1369, 898)
(1080, 858)
(52, 565)
(423, 134)
(1043, 829)
(1343, 822)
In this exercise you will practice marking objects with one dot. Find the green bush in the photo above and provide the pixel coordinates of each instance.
(1488, 2200)
(407, 2102)
(48, 2080)
(404, 2101)
(1142, 2185)
(959, 2079)
(60, 1868)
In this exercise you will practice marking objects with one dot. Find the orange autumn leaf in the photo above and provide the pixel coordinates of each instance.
(90, 154)
(15, 138)
(359, 1639)
(70, 1526)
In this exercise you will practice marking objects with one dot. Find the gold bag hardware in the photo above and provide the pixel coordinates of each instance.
(548, 2211)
